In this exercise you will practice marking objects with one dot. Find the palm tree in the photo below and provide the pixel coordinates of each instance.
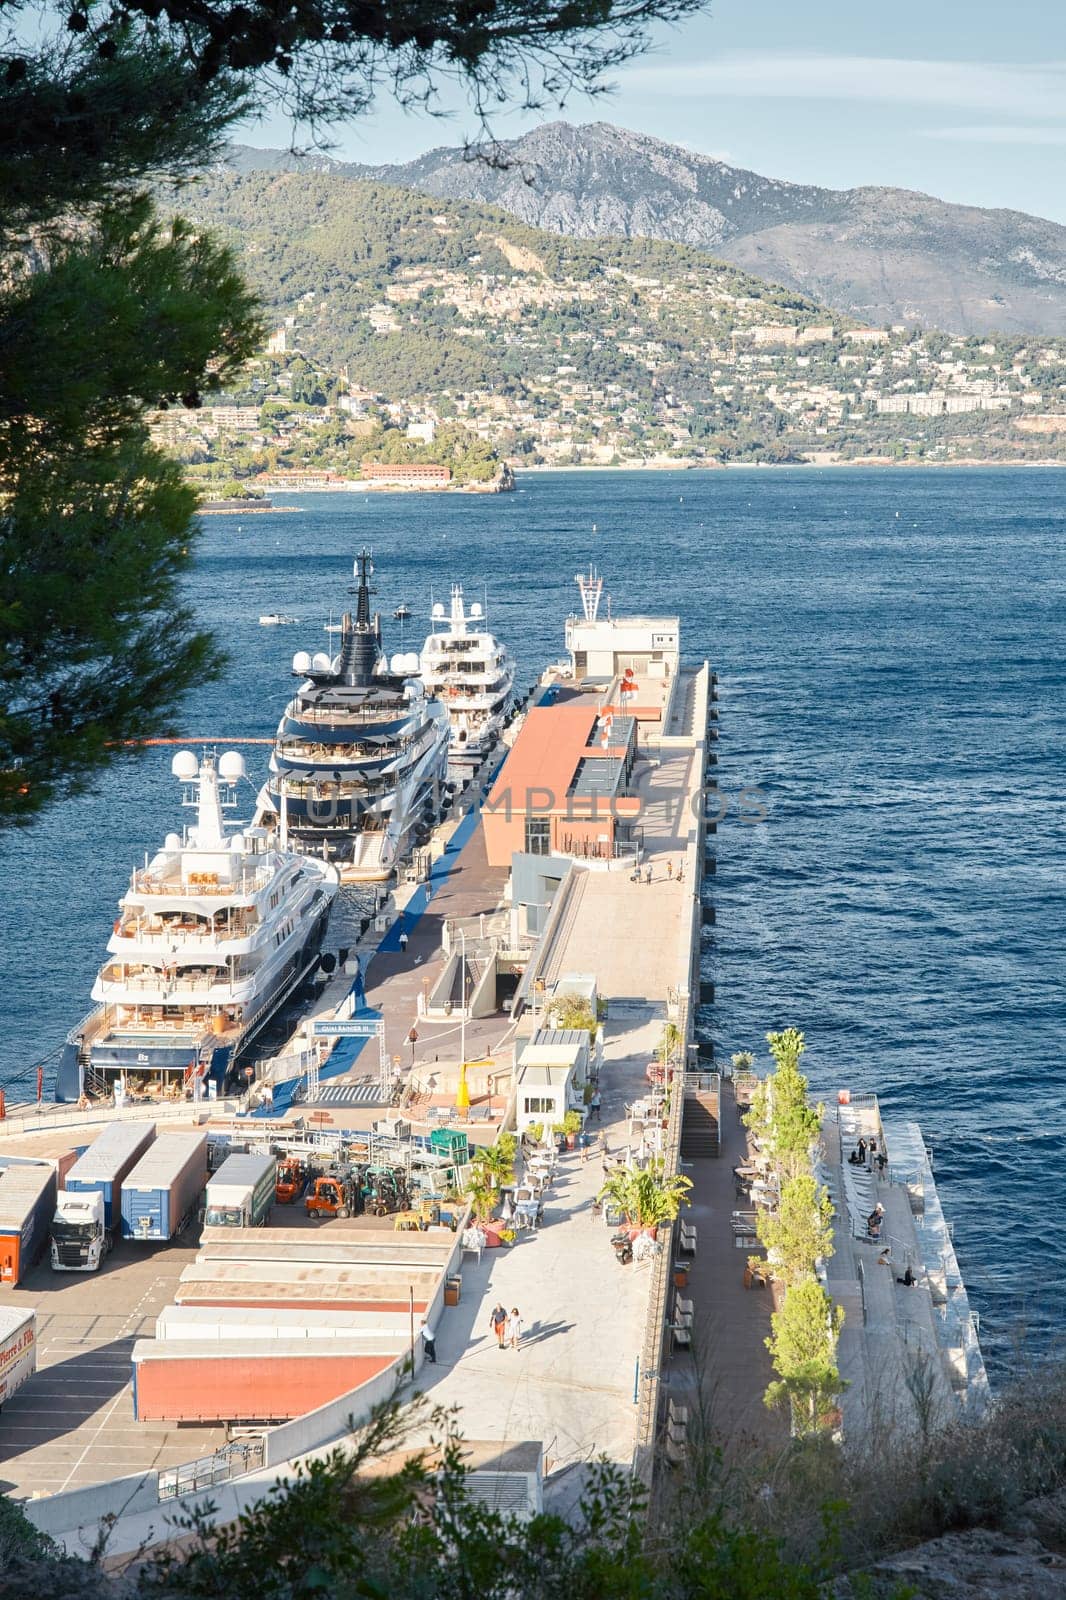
(647, 1199)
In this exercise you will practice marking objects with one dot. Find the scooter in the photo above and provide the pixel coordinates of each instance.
(622, 1245)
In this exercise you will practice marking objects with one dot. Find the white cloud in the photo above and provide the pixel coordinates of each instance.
(1024, 89)
(1015, 134)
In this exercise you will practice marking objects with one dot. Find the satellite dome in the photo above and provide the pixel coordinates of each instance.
(172, 842)
(320, 661)
(397, 663)
(185, 765)
(475, 609)
(335, 664)
(438, 609)
(411, 662)
(301, 661)
(237, 844)
(231, 766)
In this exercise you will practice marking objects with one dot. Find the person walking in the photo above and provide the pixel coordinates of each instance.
(429, 1341)
(403, 942)
(670, 869)
(498, 1324)
(647, 874)
(514, 1327)
(595, 1104)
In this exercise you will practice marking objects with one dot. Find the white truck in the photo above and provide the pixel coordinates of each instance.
(79, 1231)
(18, 1348)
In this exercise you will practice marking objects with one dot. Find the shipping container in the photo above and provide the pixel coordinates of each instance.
(176, 1381)
(18, 1348)
(164, 1189)
(107, 1162)
(241, 1193)
(341, 1242)
(319, 1287)
(27, 1205)
(258, 1327)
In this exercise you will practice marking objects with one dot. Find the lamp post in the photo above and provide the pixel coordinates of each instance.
(462, 1014)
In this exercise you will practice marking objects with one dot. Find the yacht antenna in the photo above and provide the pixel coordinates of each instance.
(591, 589)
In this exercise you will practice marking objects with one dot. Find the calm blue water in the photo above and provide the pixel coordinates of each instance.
(890, 646)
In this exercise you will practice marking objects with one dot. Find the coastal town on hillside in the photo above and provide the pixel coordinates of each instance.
(772, 392)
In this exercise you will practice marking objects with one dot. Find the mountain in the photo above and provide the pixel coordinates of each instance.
(881, 255)
(600, 350)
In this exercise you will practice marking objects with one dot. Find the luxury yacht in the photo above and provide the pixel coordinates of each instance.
(360, 757)
(212, 934)
(472, 673)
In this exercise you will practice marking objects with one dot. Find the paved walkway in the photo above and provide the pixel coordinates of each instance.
(571, 1384)
(731, 1322)
(609, 928)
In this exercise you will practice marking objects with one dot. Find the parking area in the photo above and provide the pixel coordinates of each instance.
(72, 1423)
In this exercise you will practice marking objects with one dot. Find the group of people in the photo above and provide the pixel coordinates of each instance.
(506, 1325)
(867, 1153)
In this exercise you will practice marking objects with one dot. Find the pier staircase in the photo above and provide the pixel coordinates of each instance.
(701, 1118)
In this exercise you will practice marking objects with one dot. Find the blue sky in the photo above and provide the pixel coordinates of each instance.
(964, 99)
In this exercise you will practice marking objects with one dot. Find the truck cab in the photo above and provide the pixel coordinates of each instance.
(79, 1237)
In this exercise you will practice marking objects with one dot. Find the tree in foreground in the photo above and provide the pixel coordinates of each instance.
(803, 1345)
(99, 101)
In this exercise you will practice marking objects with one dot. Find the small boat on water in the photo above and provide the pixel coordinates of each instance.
(275, 619)
(402, 612)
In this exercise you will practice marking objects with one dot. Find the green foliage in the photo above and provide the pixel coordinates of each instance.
(19, 1539)
(95, 525)
(799, 1232)
(802, 1345)
(780, 1116)
(647, 1198)
(571, 1011)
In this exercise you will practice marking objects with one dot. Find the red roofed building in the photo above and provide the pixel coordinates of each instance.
(564, 788)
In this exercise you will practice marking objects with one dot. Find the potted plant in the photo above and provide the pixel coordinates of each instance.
(647, 1199)
(571, 1126)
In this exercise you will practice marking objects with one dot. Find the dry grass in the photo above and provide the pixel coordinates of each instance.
(905, 1481)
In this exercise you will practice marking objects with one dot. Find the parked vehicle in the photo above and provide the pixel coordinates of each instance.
(385, 1191)
(88, 1208)
(80, 1239)
(18, 1348)
(329, 1197)
(162, 1192)
(623, 1248)
(291, 1181)
(27, 1205)
(241, 1192)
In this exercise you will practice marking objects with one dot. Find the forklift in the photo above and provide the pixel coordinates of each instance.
(291, 1181)
(385, 1191)
(331, 1195)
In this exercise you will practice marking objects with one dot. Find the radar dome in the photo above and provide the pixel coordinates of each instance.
(301, 661)
(172, 842)
(397, 663)
(411, 662)
(438, 610)
(231, 766)
(475, 609)
(320, 661)
(185, 765)
(335, 664)
(237, 844)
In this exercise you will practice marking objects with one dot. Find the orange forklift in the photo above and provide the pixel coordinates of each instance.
(291, 1181)
(330, 1197)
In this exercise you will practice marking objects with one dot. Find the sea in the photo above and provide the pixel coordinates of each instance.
(889, 645)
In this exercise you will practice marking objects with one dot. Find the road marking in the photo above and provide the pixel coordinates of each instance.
(103, 1424)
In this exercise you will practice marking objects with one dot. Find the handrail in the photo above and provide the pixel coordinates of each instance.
(231, 1461)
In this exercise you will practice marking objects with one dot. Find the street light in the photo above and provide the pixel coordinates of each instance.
(462, 1014)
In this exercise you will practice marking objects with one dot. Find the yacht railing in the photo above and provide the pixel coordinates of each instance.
(200, 885)
(176, 933)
